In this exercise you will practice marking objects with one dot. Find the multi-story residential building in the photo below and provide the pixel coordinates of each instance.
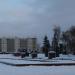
(13, 44)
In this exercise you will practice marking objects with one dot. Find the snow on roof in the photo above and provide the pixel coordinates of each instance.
(51, 52)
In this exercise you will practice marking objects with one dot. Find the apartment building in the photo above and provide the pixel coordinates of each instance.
(13, 44)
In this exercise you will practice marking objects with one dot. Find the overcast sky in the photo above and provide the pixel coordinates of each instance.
(35, 17)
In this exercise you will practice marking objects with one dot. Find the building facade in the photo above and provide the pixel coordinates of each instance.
(13, 44)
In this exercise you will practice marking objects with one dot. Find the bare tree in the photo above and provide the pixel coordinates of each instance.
(55, 40)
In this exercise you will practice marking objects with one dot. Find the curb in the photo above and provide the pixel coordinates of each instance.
(55, 64)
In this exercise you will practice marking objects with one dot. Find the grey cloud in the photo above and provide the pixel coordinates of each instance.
(35, 17)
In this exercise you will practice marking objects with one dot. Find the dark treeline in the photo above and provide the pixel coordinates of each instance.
(62, 42)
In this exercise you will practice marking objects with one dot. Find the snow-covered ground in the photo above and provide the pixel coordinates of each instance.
(37, 70)
(35, 62)
(66, 57)
(8, 58)
(40, 56)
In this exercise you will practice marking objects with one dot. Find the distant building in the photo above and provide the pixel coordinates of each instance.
(13, 44)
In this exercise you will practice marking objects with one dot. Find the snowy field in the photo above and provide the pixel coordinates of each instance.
(8, 58)
(37, 70)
